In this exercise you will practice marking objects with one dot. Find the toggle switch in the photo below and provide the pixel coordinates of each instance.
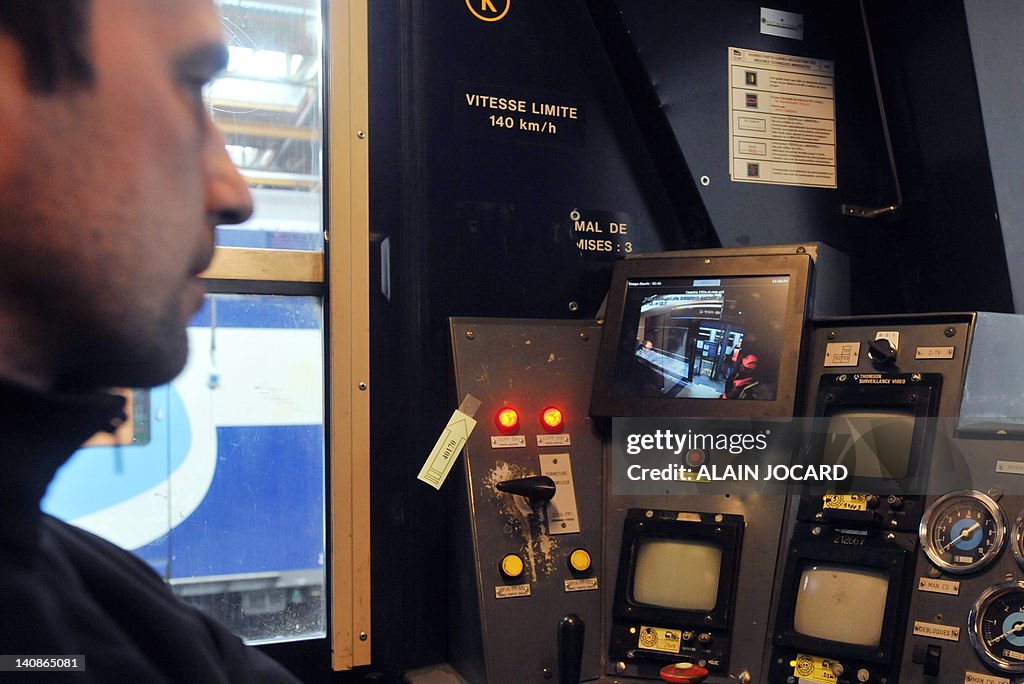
(537, 489)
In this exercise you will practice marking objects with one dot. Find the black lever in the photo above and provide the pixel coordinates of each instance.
(570, 649)
(537, 489)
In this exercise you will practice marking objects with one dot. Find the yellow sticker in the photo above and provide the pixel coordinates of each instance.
(845, 502)
(808, 668)
(658, 639)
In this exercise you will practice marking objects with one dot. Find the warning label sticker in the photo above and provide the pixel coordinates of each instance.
(810, 668)
(658, 639)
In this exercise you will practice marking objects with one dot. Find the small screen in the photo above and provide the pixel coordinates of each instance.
(679, 574)
(701, 338)
(871, 443)
(841, 603)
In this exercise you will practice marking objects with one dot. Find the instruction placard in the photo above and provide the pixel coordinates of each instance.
(782, 119)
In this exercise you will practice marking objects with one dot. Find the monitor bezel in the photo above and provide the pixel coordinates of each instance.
(873, 554)
(724, 530)
(796, 267)
(919, 400)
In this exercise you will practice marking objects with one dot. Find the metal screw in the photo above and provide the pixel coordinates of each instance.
(470, 335)
(705, 181)
(801, 250)
(362, 386)
(584, 336)
(362, 636)
(361, 135)
(574, 306)
(949, 332)
(831, 334)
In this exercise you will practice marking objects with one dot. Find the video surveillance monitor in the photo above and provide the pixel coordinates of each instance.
(702, 336)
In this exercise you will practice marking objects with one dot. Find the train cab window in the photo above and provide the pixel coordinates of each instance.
(268, 105)
(220, 483)
(222, 491)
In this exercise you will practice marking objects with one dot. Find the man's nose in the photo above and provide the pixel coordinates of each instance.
(228, 199)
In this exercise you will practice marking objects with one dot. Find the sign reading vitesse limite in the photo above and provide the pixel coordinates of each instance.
(515, 115)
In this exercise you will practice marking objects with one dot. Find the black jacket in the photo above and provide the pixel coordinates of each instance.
(64, 591)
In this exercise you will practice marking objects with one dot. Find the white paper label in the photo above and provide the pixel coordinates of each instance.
(562, 515)
(442, 457)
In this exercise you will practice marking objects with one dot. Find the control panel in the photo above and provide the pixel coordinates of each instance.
(910, 569)
(527, 596)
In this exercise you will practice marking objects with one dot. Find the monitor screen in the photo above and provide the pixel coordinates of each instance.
(873, 443)
(702, 335)
(678, 574)
(841, 603)
(701, 338)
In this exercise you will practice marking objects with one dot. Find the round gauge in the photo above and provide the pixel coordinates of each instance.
(996, 626)
(963, 531)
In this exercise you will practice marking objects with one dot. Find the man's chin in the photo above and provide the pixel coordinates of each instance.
(134, 366)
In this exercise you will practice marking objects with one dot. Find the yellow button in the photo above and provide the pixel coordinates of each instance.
(579, 560)
(511, 566)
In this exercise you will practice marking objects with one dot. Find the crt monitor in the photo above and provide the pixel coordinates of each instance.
(872, 442)
(842, 594)
(841, 603)
(675, 591)
(676, 574)
(878, 430)
(702, 336)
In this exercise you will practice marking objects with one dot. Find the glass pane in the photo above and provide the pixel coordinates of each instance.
(268, 104)
(221, 487)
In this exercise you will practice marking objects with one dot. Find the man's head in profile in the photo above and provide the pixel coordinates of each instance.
(112, 178)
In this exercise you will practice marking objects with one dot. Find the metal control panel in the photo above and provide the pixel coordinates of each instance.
(916, 564)
(529, 517)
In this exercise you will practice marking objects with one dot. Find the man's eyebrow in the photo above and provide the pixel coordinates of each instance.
(209, 59)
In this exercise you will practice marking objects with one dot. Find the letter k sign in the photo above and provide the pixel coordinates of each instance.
(488, 10)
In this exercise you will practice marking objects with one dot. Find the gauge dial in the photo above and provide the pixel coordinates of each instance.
(997, 626)
(963, 531)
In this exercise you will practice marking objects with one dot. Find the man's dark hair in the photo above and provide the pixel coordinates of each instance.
(53, 35)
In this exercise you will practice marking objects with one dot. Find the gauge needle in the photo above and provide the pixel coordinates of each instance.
(964, 534)
(1016, 629)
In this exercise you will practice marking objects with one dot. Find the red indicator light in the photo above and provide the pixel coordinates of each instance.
(552, 418)
(507, 418)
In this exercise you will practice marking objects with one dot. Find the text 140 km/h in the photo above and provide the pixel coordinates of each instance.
(521, 124)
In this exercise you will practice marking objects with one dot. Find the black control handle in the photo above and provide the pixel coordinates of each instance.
(881, 351)
(570, 649)
(537, 489)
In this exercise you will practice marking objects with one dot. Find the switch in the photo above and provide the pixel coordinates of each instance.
(579, 560)
(537, 489)
(932, 656)
(881, 351)
(511, 566)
